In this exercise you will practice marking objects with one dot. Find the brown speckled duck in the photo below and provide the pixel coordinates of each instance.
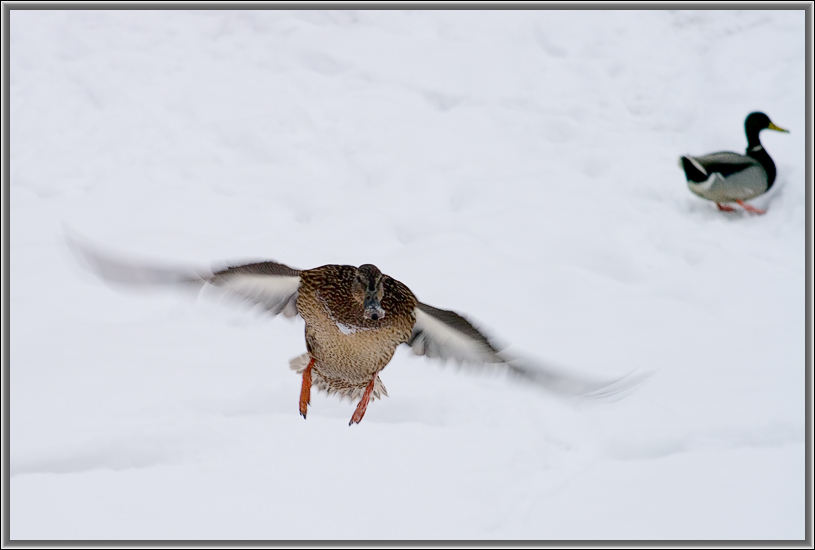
(355, 319)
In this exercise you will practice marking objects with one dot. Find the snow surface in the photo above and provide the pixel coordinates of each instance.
(519, 167)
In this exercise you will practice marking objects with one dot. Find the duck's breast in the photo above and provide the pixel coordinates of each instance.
(341, 340)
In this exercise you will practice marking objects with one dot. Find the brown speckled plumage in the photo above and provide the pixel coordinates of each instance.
(349, 349)
(336, 386)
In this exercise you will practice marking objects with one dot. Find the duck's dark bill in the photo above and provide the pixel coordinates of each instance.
(372, 309)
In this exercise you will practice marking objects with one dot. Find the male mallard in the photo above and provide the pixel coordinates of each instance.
(731, 177)
(355, 319)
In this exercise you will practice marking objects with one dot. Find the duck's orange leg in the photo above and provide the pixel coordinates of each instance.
(752, 209)
(724, 208)
(305, 389)
(363, 403)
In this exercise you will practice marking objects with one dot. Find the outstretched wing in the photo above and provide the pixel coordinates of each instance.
(444, 334)
(273, 285)
(270, 284)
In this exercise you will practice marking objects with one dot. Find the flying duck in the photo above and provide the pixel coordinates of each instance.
(730, 177)
(355, 318)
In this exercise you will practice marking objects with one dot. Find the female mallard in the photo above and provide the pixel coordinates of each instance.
(355, 319)
(731, 177)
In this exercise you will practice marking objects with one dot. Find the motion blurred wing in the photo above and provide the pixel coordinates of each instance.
(270, 284)
(444, 334)
(273, 285)
(124, 272)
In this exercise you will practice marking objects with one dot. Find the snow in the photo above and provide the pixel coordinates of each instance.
(519, 167)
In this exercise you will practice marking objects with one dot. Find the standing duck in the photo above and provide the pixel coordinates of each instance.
(730, 177)
(355, 319)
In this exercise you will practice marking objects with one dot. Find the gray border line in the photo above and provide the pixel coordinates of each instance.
(7, 6)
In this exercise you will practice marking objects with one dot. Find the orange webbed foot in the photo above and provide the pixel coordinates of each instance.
(305, 389)
(724, 208)
(362, 406)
